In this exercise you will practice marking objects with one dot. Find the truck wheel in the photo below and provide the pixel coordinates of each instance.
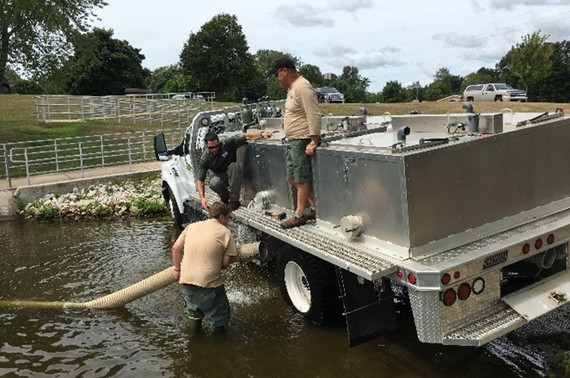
(469, 99)
(309, 286)
(174, 210)
(499, 99)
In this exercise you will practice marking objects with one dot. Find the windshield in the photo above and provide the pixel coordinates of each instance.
(503, 86)
(328, 90)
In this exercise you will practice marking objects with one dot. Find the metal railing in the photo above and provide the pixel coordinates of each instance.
(26, 159)
(156, 109)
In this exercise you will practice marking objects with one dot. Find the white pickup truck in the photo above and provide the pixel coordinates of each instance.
(476, 233)
(493, 92)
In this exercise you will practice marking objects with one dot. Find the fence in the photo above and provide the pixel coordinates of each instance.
(77, 153)
(156, 109)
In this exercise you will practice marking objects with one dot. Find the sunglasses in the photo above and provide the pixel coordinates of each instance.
(213, 147)
(277, 72)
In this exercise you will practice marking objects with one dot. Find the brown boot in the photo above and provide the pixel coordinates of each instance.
(311, 214)
(294, 221)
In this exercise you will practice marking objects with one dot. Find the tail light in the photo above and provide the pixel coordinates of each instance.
(464, 291)
(449, 297)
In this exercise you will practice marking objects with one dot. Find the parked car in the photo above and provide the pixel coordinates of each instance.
(188, 96)
(329, 94)
(493, 92)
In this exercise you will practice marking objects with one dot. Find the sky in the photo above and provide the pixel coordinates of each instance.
(405, 40)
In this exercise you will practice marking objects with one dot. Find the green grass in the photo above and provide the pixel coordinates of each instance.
(19, 122)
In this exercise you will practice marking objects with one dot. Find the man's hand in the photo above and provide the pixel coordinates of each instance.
(176, 274)
(311, 149)
(204, 202)
(266, 134)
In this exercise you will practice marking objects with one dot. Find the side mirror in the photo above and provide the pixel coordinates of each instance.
(160, 150)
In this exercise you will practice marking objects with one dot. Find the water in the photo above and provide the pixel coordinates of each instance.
(80, 261)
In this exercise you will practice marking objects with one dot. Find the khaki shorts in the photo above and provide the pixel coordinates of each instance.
(299, 167)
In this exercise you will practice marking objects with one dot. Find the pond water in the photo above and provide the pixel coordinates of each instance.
(80, 261)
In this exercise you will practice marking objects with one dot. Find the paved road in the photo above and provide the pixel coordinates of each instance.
(78, 175)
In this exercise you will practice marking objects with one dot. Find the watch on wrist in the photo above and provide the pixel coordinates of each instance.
(313, 143)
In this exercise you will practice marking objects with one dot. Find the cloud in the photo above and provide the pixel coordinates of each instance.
(455, 39)
(305, 16)
(510, 4)
(352, 6)
(340, 57)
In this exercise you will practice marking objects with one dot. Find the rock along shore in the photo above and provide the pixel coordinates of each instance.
(133, 197)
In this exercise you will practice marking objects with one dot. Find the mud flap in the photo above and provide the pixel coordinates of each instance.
(368, 313)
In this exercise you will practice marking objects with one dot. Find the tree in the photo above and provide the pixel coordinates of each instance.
(36, 35)
(483, 75)
(264, 60)
(451, 84)
(160, 76)
(555, 87)
(352, 85)
(103, 65)
(415, 91)
(531, 60)
(217, 59)
(394, 92)
(313, 74)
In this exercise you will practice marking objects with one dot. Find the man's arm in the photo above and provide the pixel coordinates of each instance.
(202, 194)
(177, 251)
(227, 261)
(255, 135)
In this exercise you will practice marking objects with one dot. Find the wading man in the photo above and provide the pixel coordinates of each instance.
(199, 255)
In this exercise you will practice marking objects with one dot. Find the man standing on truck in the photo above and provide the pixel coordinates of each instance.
(302, 126)
(199, 254)
(221, 159)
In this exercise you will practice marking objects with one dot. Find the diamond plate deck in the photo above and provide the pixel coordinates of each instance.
(354, 257)
(487, 329)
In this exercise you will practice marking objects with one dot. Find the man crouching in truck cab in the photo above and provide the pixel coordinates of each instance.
(220, 157)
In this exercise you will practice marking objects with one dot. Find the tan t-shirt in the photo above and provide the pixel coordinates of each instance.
(205, 245)
(302, 113)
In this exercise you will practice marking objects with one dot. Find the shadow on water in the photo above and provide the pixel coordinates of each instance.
(79, 261)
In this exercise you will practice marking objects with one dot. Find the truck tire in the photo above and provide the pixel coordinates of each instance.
(309, 286)
(470, 99)
(498, 98)
(177, 216)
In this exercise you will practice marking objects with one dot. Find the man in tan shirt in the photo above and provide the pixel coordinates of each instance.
(199, 255)
(302, 126)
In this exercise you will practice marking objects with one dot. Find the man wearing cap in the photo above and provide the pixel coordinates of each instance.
(302, 127)
(220, 157)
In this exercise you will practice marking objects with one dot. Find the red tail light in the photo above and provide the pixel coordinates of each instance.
(538, 243)
(449, 297)
(526, 248)
(550, 239)
(412, 279)
(445, 278)
(464, 291)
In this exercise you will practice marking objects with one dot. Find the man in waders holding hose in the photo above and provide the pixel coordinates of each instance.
(199, 255)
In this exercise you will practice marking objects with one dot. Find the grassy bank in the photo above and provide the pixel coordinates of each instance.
(19, 122)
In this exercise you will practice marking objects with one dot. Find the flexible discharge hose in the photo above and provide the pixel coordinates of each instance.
(120, 298)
